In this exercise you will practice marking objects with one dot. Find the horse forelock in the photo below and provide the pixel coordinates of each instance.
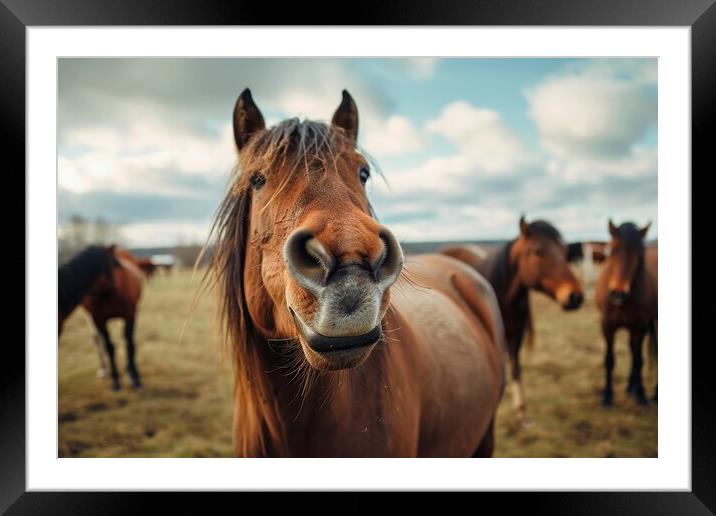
(292, 146)
(545, 229)
(630, 236)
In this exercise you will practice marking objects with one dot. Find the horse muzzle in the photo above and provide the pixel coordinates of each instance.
(574, 301)
(618, 297)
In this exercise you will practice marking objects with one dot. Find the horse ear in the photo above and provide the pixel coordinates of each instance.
(612, 229)
(523, 225)
(346, 116)
(248, 120)
(645, 230)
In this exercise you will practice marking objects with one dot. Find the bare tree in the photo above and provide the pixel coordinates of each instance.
(79, 232)
(103, 231)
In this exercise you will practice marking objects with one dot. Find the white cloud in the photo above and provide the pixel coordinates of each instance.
(485, 149)
(391, 137)
(481, 136)
(117, 159)
(593, 112)
(640, 162)
(422, 68)
(164, 233)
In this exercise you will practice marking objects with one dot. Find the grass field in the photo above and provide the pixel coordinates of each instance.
(185, 407)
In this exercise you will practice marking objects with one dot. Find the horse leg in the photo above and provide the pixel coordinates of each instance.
(608, 397)
(487, 445)
(518, 397)
(109, 347)
(131, 365)
(636, 339)
(102, 371)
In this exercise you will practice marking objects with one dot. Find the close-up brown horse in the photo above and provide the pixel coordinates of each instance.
(537, 260)
(108, 284)
(627, 297)
(340, 348)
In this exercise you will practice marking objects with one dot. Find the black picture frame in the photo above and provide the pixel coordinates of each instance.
(700, 15)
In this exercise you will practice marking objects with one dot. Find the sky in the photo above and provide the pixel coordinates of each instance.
(465, 146)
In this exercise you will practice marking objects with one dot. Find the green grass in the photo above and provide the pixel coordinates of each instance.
(185, 407)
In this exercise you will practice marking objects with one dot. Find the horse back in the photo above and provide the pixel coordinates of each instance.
(470, 254)
(451, 321)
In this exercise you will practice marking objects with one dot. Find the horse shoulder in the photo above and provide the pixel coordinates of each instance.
(128, 279)
(470, 292)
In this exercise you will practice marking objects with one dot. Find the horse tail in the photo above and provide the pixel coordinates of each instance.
(653, 346)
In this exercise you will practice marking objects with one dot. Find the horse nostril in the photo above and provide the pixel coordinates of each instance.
(575, 300)
(307, 260)
(390, 263)
(617, 296)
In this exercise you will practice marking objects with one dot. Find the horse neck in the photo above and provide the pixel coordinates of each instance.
(73, 283)
(310, 399)
(504, 274)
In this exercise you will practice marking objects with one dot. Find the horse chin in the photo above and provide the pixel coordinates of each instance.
(336, 360)
(334, 353)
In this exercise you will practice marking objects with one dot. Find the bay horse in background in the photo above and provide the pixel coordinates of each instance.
(336, 351)
(535, 260)
(627, 297)
(108, 285)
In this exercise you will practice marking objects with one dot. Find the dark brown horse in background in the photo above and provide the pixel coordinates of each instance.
(627, 297)
(337, 353)
(108, 285)
(535, 260)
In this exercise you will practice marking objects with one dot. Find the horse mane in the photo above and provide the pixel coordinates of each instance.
(498, 268)
(76, 277)
(289, 147)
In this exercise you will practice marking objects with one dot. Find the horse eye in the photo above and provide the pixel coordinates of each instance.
(364, 174)
(257, 180)
(539, 252)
